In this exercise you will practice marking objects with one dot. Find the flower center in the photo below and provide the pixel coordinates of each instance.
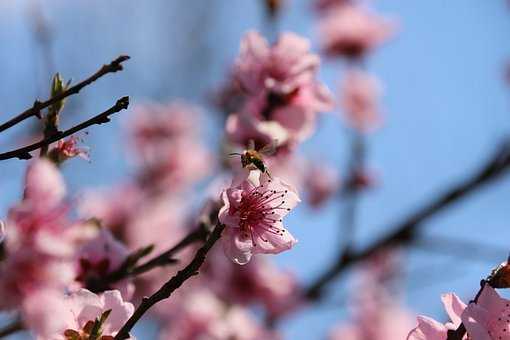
(259, 212)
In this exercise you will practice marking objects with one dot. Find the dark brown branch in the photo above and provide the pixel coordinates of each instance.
(163, 259)
(35, 110)
(406, 230)
(24, 152)
(11, 328)
(174, 283)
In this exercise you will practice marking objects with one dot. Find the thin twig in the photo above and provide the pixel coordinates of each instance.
(165, 258)
(174, 283)
(11, 328)
(406, 230)
(35, 110)
(24, 152)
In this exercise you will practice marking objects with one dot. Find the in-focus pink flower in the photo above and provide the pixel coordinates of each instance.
(68, 148)
(352, 30)
(253, 212)
(360, 94)
(321, 183)
(100, 256)
(55, 316)
(430, 329)
(489, 317)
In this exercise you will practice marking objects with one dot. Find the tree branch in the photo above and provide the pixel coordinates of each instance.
(406, 230)
(24, 152)
(35, 110)
(174, 283)
(11, 328)
(123, 272)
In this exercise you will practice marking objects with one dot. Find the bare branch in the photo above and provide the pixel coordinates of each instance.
(163, 259)
(35, 110)
(174, 283)
(11, 328)
(406, 231)
(24, 152)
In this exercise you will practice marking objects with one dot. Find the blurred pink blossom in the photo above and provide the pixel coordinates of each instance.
(154, 126)
(166, 144)
(360, 94)
(253, 211)
(100, 256)
(259, 282)
(41, 237)
(351, 31)
(321, 183)
(113, 207)
(280, 84)
(54, 316)
(199, 314)
(322, 6)
(378, 316)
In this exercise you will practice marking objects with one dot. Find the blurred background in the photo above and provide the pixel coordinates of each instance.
(446, 109)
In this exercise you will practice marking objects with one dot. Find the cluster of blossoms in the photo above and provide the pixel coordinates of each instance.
(376, 311)
(48, 258)
(486, 319)
(350, 30)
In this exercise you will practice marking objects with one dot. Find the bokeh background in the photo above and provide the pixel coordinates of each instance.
(446, 107)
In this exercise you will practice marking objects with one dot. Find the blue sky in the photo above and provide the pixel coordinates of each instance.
(446, 109)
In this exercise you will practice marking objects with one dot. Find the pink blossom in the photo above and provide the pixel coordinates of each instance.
(52, 316)
(253, 212)
(280, 83)
(359, 100)
(41, 238)
(159, 221)
(99, 257)
(377, 317)
(241, 128)
(321, 183)
(154, 126)
(281, 68)
(44, 185)
(113, 207)
(352, 30)
(199, 314)
(322, 6)
(430, 329)
(167, 148)
(488, 318)
(259, 282)
(177, 167)
(68, 148)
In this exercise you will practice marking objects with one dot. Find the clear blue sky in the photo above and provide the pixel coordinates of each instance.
(446, 107)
